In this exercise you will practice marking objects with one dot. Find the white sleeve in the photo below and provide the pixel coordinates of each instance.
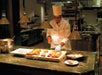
(48, 32)
(64, 40)
(67, 32)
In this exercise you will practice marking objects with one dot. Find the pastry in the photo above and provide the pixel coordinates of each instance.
(34, 52)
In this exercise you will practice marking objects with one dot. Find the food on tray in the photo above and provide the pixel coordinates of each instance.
(34, 52)
(54, 54)
(70, 62)
(46, 54)
(43, 53)
(75, 55)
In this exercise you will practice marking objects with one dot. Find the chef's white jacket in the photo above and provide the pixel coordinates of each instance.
(59, 33)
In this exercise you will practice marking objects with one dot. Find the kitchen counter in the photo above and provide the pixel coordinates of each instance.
(29, 37)
(30, 67)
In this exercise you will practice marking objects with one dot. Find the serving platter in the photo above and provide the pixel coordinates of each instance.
(21, 51)
(45, 54)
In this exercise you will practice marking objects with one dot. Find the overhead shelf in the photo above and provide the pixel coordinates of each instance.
(70, 10)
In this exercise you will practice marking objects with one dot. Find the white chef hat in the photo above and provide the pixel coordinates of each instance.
(57, 9)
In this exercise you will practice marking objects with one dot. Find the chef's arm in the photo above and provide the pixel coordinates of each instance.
(63, 41)
(49, 38)
(66, 35)
(58, 48)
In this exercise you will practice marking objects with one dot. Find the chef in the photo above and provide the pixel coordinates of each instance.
(57, 36)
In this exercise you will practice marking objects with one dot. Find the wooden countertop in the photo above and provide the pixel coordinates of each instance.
(85, 66)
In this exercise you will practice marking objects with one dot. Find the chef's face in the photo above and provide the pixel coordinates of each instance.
(57, 19)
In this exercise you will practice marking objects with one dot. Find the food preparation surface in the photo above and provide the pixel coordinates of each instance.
(84, 66)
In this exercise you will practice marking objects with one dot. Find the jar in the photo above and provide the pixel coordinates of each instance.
(6, 45)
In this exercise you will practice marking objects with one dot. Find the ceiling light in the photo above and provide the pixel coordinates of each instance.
(75, 35)
(24, 18)
(4, 20)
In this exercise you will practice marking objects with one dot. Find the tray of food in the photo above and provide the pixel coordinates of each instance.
(21, 51)
(45, 54)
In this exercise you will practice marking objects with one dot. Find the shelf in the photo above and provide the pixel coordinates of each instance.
(70, 10)
(91, 8)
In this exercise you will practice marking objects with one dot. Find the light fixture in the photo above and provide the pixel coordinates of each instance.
(45, 23)
(4, 20)
(75, 35)
(24, 18)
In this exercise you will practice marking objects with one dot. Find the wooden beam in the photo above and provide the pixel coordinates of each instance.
(11, 17)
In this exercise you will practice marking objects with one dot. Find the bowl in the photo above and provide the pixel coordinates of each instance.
(75, 55)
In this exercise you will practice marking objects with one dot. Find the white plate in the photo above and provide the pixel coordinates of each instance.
(71, 62)
(21, 51)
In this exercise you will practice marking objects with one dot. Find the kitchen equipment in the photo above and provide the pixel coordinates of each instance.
(6, 45)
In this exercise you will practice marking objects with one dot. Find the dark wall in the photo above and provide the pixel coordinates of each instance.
(4, 29)
(16, 16)
(11, 8)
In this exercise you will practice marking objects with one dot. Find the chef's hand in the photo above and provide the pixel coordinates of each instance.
(58, 48)
(49, 39)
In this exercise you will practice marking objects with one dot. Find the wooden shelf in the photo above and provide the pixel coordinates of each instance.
(70, 10)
